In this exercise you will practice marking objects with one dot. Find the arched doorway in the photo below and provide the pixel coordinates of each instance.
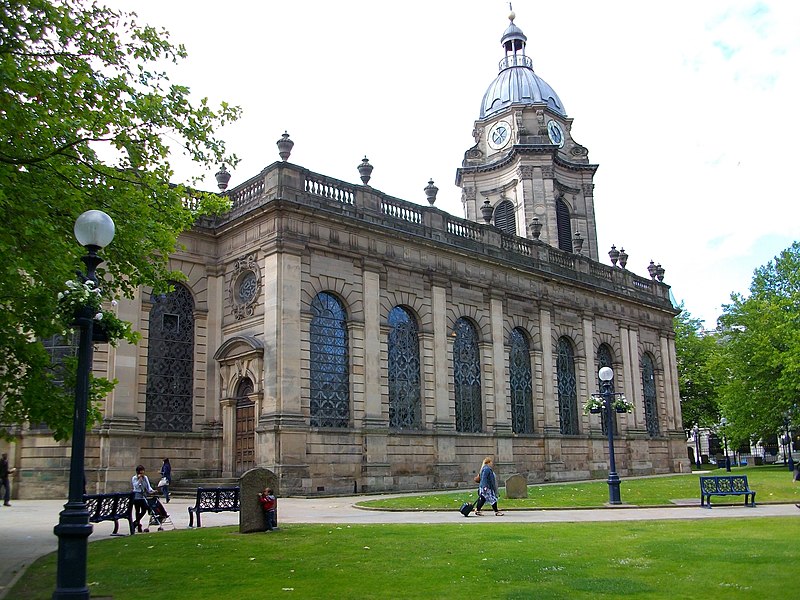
(245, 446)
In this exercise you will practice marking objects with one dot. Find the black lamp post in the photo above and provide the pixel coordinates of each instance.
(723, 422)
(696, 432)
(606, 375)
(94, 230)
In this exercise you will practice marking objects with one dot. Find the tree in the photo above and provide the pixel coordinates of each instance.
(85, 110)
(695, 349)
(760, 366)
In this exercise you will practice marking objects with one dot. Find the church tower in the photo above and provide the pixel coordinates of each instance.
(526, 174)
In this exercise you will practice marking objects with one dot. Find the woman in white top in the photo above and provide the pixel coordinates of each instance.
(141, 487)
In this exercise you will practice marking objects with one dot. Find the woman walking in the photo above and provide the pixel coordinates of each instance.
(166, 479)
(487, 488)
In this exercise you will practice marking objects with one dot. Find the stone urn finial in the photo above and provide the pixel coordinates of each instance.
(652, 269)
(285, 146)
(487, 211)
(577, 242)
(659, 272)
(623, 258)
(430, 192)
(223, 177)
(365, 170)
(613, 254)
(535, 228)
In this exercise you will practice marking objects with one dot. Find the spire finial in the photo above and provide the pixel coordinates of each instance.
(511, 14)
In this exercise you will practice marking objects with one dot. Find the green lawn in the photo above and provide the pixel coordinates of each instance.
(771, 483)
(712, 558)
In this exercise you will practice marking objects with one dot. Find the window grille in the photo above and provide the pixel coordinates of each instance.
(170, 362)
(329, 364)
(567, 388)
(467, 377)
(521, 383)
(649, 389)
(404, 371)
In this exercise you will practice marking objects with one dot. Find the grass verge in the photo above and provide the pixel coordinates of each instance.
(771, 483)
(713, 558)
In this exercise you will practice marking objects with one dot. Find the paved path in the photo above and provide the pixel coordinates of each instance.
(26, 527)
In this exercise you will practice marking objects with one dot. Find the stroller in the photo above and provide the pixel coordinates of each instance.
(158, 514)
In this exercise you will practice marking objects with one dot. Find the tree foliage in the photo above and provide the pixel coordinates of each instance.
(696, 349)
(759, 369)
(86, 113)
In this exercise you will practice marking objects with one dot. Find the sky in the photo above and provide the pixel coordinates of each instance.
(689, 108)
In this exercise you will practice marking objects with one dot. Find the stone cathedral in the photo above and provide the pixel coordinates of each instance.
(349, 340)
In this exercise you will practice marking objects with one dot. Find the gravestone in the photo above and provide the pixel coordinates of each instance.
(516, 487)
(251, 484)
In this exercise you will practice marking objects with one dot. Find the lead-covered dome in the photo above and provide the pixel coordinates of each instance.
(517, 83)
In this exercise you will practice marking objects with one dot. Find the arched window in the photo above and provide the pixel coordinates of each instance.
(405, 406)
(563, 225)
(649, 389)
(604, 359)
(329, 364)
(521, 383)
(170, 362)
(467, 377)
(504, 217)
(567, 388)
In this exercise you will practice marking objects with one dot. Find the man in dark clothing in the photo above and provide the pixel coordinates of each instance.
(4, 473)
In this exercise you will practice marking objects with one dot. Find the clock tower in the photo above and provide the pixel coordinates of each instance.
(526, 174)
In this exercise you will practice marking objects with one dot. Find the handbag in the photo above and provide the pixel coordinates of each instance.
(163, 482)
(477, 479)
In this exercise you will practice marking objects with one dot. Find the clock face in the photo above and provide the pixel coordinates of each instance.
(555, 133)
(499, 135)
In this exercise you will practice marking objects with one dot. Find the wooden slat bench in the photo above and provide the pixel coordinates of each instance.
(115, 507)
(725, 485)
(221, 499)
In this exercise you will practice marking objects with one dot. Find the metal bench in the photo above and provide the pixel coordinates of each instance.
(725, 485)
(110, 507)
(221, 499)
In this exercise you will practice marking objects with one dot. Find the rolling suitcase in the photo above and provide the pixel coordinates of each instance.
(466, 508)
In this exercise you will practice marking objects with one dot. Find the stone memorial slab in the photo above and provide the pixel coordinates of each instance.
(516, 487)
(251, 484)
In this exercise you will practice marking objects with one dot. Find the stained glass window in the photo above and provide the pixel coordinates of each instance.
(567, 388)
(521, 383)
(563, 226)
(330, 363)
(467, 377)
(649, 389)
(170, 362)
(405, 406)
(604, 360)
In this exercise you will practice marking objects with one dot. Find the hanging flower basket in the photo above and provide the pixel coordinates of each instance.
(594, 405)
(622, 405)
(85, 299)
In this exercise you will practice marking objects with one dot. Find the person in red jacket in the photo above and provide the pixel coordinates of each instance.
(269, 503)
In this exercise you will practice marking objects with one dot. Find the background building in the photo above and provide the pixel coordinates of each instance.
(349, 340)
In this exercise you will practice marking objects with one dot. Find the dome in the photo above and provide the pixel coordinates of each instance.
(517, 83)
